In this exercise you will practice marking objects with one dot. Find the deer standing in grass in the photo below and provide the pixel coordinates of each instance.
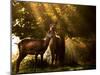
(33, 47)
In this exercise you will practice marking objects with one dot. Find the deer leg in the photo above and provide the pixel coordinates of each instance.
(55, 58)
(41, 60)
(35, 65)
(20, 58)
(52, 58)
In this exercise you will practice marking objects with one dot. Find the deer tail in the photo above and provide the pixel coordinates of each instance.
(19, 47)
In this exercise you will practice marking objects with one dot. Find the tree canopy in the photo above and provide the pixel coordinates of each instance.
(30, 19)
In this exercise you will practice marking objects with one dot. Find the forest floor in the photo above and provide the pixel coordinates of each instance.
(28, 68)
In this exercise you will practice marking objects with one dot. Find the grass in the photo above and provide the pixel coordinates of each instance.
(27, 67)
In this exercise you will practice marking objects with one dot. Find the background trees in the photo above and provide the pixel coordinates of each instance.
(33, 19)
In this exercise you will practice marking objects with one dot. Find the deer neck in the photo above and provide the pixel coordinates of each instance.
(46, 41)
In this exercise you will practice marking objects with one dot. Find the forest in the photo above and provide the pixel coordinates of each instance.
(75, 24)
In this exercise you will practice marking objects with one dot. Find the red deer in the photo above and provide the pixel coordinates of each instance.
(54, 47)
(33, 47)
(57, 49)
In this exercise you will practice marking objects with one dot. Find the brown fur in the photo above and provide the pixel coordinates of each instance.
(34, 47)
